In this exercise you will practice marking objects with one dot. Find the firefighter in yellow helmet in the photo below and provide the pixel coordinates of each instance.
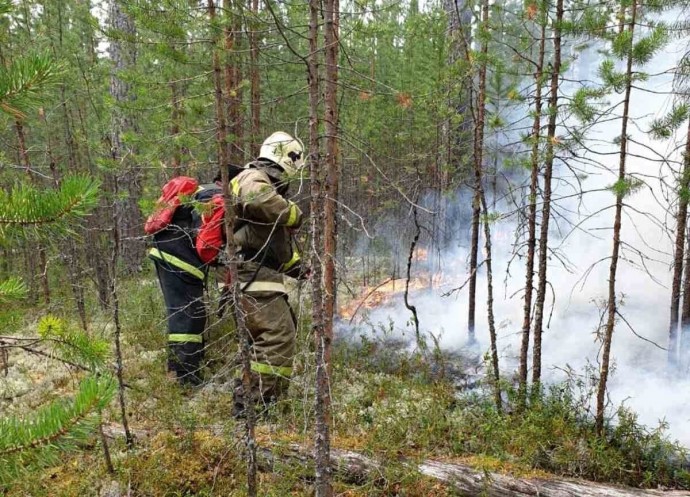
(266, 218)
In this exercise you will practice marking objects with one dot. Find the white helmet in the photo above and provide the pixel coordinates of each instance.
(284, 150)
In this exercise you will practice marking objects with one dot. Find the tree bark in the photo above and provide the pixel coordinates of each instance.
(233, 88)
(114, 299)
(685, 307)
(330, 206)
(410, 257)
(255, 82)
(532, 216)
(478, 155)
(546, 198)
(681, 228)
(612, 308)
(175, 117)
(495, 373)
(480, 199)
(129, 175)
(40, 251)
(235, 295)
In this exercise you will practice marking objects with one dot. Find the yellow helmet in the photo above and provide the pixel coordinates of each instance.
(284, 150)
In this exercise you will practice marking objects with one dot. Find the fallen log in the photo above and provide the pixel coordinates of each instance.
(353, 467)
(466, 481)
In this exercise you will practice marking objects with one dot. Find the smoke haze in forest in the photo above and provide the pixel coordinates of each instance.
(581, 240)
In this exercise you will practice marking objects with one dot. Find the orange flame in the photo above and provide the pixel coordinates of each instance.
(372, 297)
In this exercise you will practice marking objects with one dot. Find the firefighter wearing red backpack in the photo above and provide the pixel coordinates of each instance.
(266, 219)
(182, 272)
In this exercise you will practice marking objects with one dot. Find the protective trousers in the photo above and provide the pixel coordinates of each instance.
(183, 294)
(272, 329)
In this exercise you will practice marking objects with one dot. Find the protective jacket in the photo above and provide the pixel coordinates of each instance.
(265, 219)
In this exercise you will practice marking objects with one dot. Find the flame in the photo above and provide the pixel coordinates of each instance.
(386, 292)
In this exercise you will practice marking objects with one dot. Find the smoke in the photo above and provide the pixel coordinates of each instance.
(578, 267)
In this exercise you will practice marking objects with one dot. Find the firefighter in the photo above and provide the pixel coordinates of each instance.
(263, 236)
(181, 273)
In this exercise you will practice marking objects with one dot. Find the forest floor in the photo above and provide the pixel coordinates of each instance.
(391, 403)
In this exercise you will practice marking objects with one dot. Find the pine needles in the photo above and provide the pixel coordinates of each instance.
(30, 212)
(62, 425)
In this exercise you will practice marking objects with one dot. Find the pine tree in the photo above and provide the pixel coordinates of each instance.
(27, 213)
(634, 50)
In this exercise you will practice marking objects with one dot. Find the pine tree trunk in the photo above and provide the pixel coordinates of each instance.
(119, 364)
(321, 431)
(235, 295)
(233, 88)
(481, 198)
(330, 206)
(474, 252)
(681, 228)
(685, 307)
(177, 167)
(96, 241)
(129, 175)
(546, 198)
(611, 309)
(478, 155)
(40, 252)
(532, 216)
(496, 374)
(255, 82)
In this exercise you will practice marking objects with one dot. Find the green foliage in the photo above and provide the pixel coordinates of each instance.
(612, 78)
(664, 127)
(29, 212)
(624, 187)
(23, 81)
(621, 44)
(5, 7)
(647, 47)
(74, 345)
(12, 289)
(39, 438)
(392, 401)
(582, 106)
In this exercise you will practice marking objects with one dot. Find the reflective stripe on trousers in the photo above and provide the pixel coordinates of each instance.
(268, 369)
(185, 338)
(177, 262)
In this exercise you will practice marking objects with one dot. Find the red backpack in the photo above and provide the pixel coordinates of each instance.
(168, 202)
(210, 240)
